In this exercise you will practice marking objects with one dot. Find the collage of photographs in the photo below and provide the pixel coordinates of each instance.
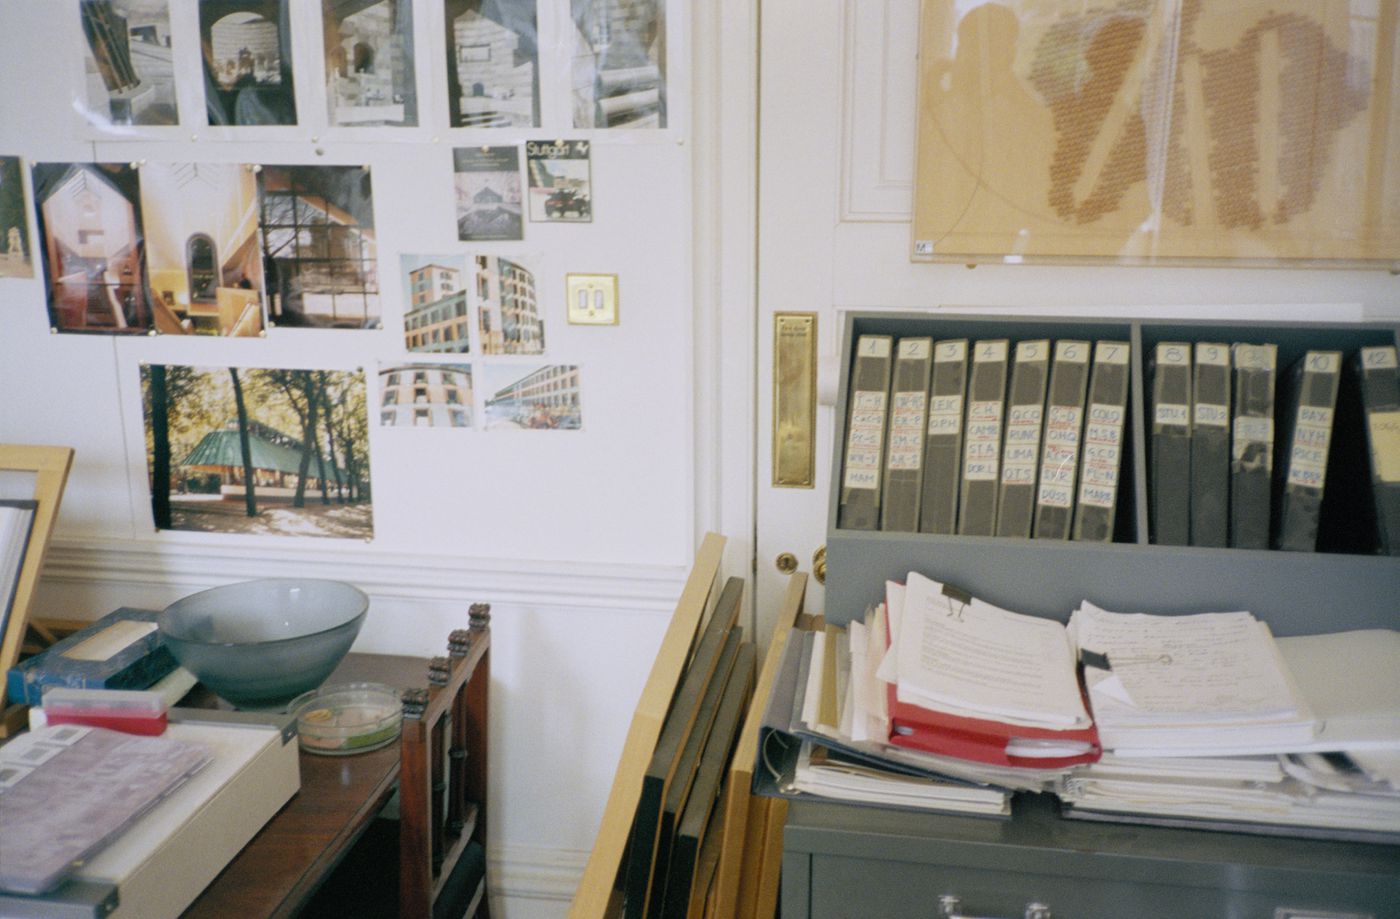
(241, 249)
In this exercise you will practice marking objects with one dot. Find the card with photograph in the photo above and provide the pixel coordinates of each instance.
(436, 311)
(425, 395)
(15, 260)
(619, 63)
(492, 64)
(317, 226)
(369, 63)
(544, 397)
(247, 51)
(128, 62)
(561, 180)
(264, 451)
(90, 234)
(507, 309)
(486, 181)
(203, 256)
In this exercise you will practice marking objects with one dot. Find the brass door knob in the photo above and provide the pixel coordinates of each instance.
(787, 563)
(819, 564)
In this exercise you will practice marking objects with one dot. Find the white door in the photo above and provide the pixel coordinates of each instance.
(837, 108)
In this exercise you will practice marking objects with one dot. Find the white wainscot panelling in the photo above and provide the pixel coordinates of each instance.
(879, 75)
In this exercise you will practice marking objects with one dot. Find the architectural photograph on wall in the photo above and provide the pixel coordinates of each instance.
(508, 314)
(561, 180)
(258, 450)
(247, 51)
(486, 181)
(541, 398)
(319, 248)
(436, 311)
(15, 260)
(369, 62)
(619, 63)
(128, 64)
(425, 395)
(202, 254)
(89, 222)
(492, 63)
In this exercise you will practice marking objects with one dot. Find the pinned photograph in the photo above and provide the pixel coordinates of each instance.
(492, 64)
(202, 253)
(561, 180)
(369, 63)
(538, 398)
(487, 185)
(94, 256)
(128, 65)
(319, 249)
(436, 314)
(15, 259)
(619, 66)
(508, 314)
(247, 51)
(251, 450)
(425, 395)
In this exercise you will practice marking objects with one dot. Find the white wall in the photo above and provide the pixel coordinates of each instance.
(580, 540)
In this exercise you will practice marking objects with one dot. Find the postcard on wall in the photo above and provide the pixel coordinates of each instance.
(90, 236)
(619, 63)
(492, 63)
(204, 259)
(561, 180)
(15, 260)
(247, 50)
(507, 305)
(264, 451)
(436, 307)
(520, 396)
(369, 63)
(318, 240)
(486, 181)
(425, 395)
(128, 62)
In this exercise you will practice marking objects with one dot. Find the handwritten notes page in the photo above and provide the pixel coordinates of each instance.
(972, 658)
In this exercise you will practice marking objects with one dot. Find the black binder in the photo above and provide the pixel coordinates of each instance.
(1302, 473)
(1059, 455)
(1380, 397)
(1252, 446)
(1169, 471)
(943, 447)
(865, 434)
(1210, 446)
(904, 452)
(1020, 454)
(986, 397)
(1097, 503)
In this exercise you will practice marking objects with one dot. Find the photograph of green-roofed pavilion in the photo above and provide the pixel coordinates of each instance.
(275, 452)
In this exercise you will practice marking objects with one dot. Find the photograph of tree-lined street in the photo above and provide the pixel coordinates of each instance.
(257, 450)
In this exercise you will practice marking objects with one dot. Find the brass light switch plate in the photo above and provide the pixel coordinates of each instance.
(592, 298)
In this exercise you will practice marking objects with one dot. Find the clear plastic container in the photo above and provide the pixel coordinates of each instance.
(130, 711)
(347, 718)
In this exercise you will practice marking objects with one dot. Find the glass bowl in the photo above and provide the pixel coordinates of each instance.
(260, 644)
(347, 718)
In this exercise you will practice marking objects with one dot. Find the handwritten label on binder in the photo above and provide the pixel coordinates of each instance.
(863, 440)
(1061, 456)
(1022, 445)
(907, 429)
(945, 415)
(1103, 443)
(1385, 445)
(983, 441)
(1307, 463)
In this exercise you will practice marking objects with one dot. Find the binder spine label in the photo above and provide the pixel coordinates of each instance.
(863, 440)
(1172, 413)
(1312, 432)
(1103, 442)
(1378, 358)
(907, 431)
(1022, 445)
(1385, 445)
(873, 346)
(980, 459)
(945, 415)
(1210, 414)
(1252, 431)
(1061, 456)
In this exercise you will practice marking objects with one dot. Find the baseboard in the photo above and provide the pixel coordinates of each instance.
(534, 873)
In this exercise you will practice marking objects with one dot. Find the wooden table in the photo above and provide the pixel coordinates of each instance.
(279, 870)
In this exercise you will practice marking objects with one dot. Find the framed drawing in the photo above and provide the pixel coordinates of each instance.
(1255, 131)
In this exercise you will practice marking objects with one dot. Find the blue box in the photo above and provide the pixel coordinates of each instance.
(122, 650)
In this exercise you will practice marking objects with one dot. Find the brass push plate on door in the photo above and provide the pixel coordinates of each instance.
(794, 399)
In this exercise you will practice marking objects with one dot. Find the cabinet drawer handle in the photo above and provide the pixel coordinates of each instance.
(950, 907)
